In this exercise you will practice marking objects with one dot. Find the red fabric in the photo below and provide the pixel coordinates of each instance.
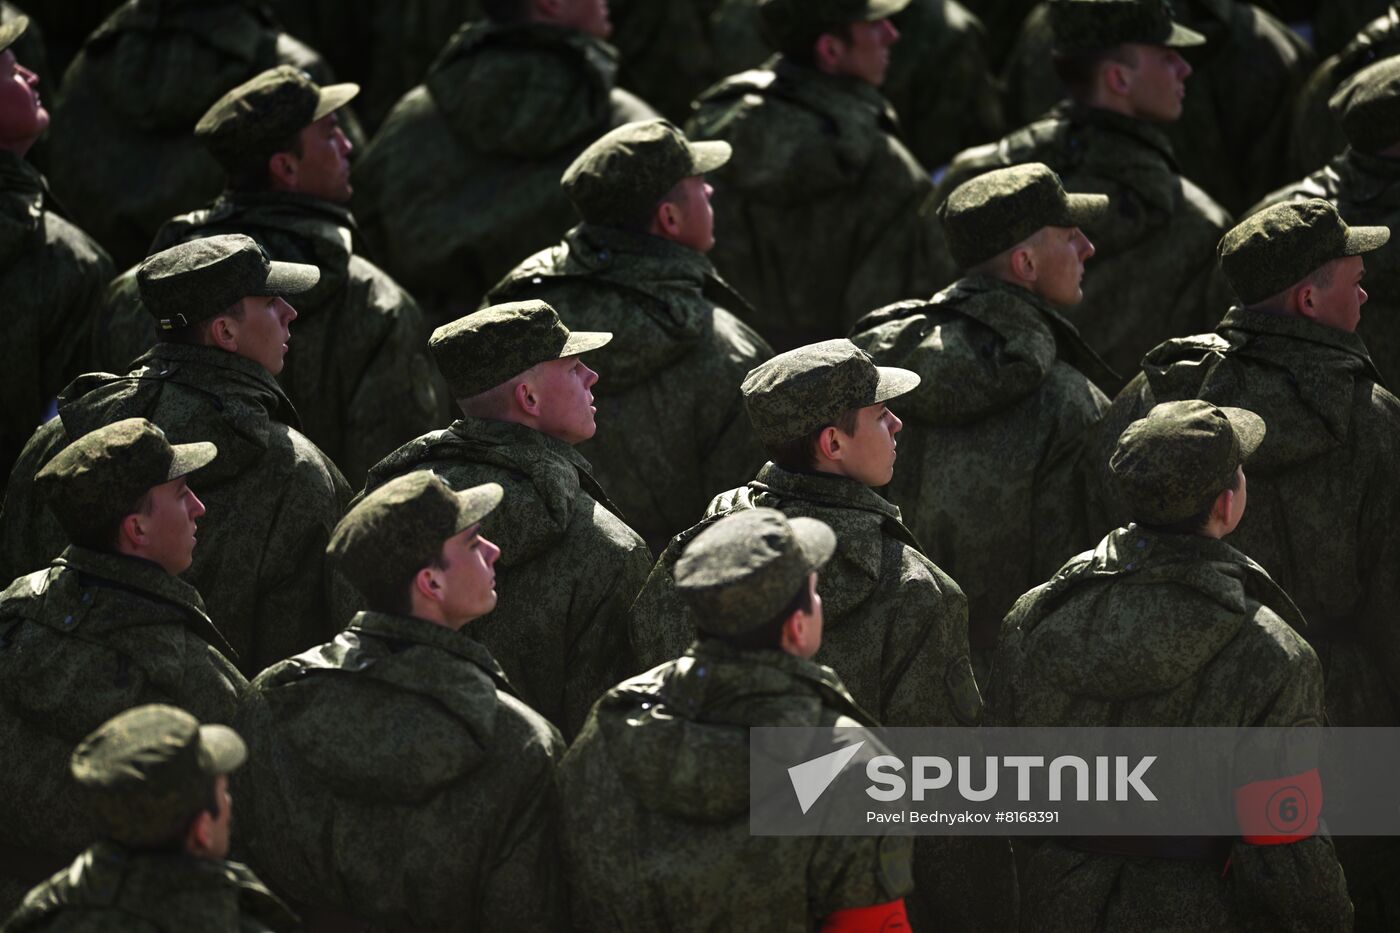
(1277, 812)
(881, 918)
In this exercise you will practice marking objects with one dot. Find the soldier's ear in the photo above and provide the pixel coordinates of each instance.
(199, 835)
(829, 51)
(132, 532)
(282, 170)
(828, 444)
(525, 398)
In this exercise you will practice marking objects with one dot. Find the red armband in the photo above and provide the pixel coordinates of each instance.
(1271, 813)
(881, 918)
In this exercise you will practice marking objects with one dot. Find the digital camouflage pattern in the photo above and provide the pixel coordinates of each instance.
(52, 275)
(894, 630)
(656, 800)
(502, 105)
(987, 472)
(1089, 25)
(671, 425)
(1368, 106)
(356, 367)
(254, 121)
(272, 496)
(1154, 629)
(401, 743)
(1154, 275)
(817, 216)
(667, 53)
(109, 889)
(569, 566)
(137, 88)
(90, 636)
(1225, 141)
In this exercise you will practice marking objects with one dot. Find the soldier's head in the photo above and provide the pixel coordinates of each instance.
(279, 131)
(822, 408)
(1367, 105)
(648, 177)
(224, 292)
(122, 488)
(750, 580)
(413, 547)
(839, 37)
(23, 118)
(1017, 224)
(156, 779)
(517, 362)
(1181, 469)
(589, 17)
(1122, 55)
(1299, 258)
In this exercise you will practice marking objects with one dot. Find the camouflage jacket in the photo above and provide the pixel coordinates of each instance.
(112, 890)
(569, 565)
(85, 639)
(52, 276)
(504, 108)
(818, 213)
(1155, 275)
(1323, 504)
(672, 430)
(135, 91)
(986, 476)
(655, 795)
(272, 496)
(1156, 629)
(401, 744)
(356, 369)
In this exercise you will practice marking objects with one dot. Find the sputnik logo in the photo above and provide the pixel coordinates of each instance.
(811, 778)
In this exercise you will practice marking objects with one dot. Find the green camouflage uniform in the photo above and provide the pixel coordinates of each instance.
(52, 275)
(569, 565)
(818, 214)
(272, 496)
(504, 108)
(671, 426)
(666, 52)
(135, 92)
(656, 799)
(1155, 629)
(85, 639)
(356, 369)
(986, 475)
(395, 777)
(1154, 275)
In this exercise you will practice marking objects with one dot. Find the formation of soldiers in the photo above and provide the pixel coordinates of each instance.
(460, 469)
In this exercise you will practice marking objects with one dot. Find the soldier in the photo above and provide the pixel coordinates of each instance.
(895, 624)
(1164, 624)
(461, 181)
(989, 479)
(273, 496)
(402, 744)
(358, 372)
(51, 273)
(655, 789)
(572, 565)
(1155, 277)
(820, 208)
(157, 782)
(1324, 505)
(674, 431)
(107, 626)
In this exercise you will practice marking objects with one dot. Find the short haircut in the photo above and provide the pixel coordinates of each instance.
(507, 11)
(105, 537)
(395, 597)
(1321, 277)
(1196, 523)
(252, 176)
(801, 46)
(770, 633)
(193, 334)
(1079, 70)
(801, 453)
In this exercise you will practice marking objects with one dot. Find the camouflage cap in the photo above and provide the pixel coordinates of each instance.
(1283, 244)
(99, 478)
(260, 116)
(12, 30)
(787, 21)
(741, 571)
(487, 347)
(149, 770)
(194, 281)
(991, 213)
(620, 177)
(399, 528)
(1090, 25)
(1173, 463)
(1367, 105)
(799, 391)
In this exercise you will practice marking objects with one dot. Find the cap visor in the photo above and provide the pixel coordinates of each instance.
(1182, 37)
(226, 750)
(881, 9)
(1365, 239)
(11, 31)
(893, 383)
(190, 457)
(709, 156)
(333, 98)
(817, 539)
(1249, 428)
(290, 278)
(476, 503)
(1085, 209)
(581, 341)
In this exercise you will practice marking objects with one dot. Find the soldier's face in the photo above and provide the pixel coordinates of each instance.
(868, 455)
(563, 389)
(468, 576)
(323, 168)
(168, 523)
(1158, 83)
(262, 333)
(1336, 300)
(867, 55)
(590, 17)
(220, 826)
(22, 114)
(1059, 254)
(694, 218)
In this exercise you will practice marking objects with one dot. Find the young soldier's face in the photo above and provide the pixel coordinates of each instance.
(1338, 302)
(564, 390)
(867, 55)
(1059, 254)
(323, 168)
(590, 17)
(220, 827)
(22, 115)
(868, 455)
(1158, 90)
(263, 331)
(169, 522)
(469, 576)
(695, 216)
